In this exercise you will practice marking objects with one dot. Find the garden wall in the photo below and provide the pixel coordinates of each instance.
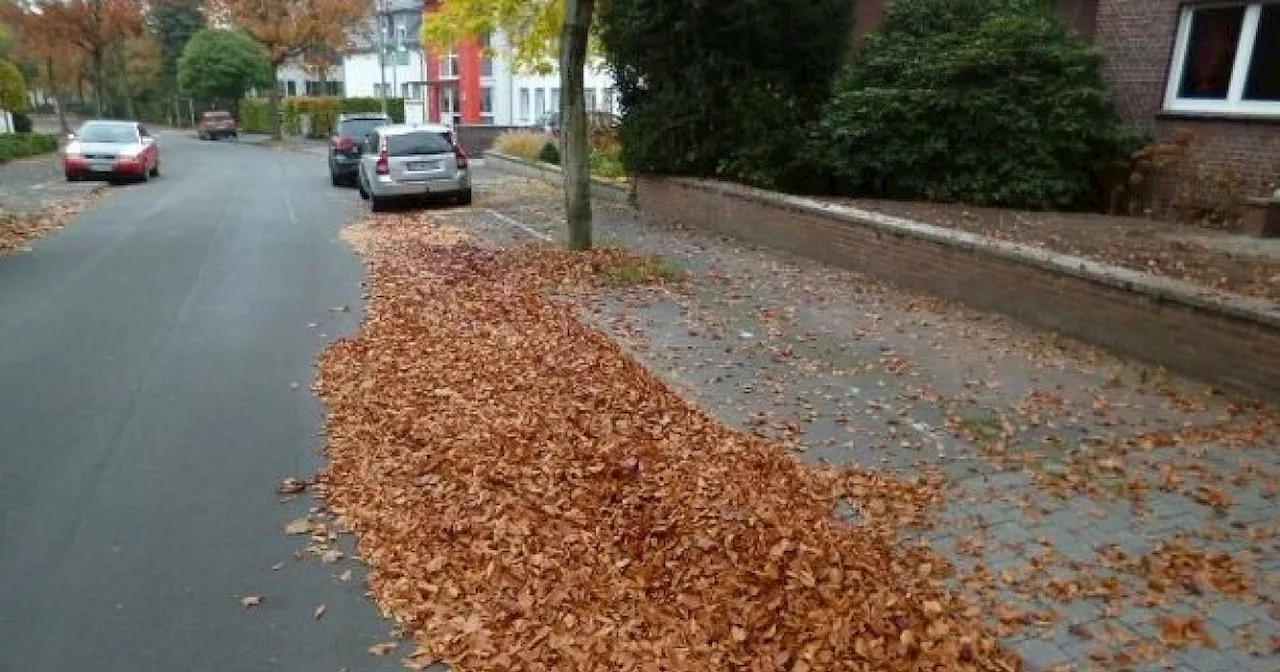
(1226, 340)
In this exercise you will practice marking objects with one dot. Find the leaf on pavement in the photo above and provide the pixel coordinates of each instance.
(319, 612)
(290, 486)
(301, 525)
(251, 601)
(383, 648)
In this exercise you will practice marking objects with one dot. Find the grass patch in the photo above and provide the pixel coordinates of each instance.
(642, 270)
(521, 144)
(982, 430)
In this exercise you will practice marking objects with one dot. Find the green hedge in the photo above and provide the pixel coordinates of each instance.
(255, 116)
(19, 145)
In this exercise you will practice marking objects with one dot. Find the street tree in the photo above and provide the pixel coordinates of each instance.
(290, 29)
(13, 88)
(221, 64)
(540, 32)
(174, 22)
(41, 40)
(96, 28)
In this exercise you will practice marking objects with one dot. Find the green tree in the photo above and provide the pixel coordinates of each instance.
(13, 92)
(724, 89)
(174, 22)
(992, 102)
(220, 65)
(538, 30)
(13, 88)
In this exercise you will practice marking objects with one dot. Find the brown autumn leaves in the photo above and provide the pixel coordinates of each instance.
(530, 498)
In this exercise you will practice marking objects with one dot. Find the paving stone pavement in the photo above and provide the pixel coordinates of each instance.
(1104, 514)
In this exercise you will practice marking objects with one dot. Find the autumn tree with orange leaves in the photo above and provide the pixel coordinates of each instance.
(94, 28)
(293, 29)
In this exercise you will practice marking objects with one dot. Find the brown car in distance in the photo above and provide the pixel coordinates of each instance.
(216, 124)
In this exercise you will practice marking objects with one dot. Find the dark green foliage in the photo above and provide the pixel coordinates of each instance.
(20, 145)
(723, 89)
(991, 102)
(550, 154)
(174, 23)
(218, 66)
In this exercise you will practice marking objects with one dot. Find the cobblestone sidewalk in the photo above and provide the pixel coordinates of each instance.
(1101, 514)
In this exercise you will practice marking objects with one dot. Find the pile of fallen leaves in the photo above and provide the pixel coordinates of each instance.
(530, 498)
(19, 231)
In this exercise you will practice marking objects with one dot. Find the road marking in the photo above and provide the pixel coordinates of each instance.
(519, 225)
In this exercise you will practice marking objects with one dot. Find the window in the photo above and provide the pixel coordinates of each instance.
(524, 102)
(608, 99)
(449, 65)
(1224, 60)
(539, 101)
(402, 31)
(590, 93)
(554, 103)
(291, 88)
(486, 104)
(404, 90)
(486, 59)
(417, 143)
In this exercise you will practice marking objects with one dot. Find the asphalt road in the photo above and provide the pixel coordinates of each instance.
(155, 360)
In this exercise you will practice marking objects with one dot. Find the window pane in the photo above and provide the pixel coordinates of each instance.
(1264, 69)
(1211, 51)
(486, 100)
(413, 144)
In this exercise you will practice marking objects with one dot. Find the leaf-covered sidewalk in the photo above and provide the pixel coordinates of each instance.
(529, 498)
(1109, 516)
(1090, 512)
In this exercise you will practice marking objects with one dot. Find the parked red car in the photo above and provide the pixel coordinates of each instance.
(216, 124)
(111, 150)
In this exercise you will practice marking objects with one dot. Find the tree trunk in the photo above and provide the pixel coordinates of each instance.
(573, 126)
(122, 81)
(99, 83)
(273, 102)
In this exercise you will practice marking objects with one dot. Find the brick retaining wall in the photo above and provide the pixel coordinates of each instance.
(1227, 340)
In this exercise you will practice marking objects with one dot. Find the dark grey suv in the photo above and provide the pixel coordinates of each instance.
(344, 147)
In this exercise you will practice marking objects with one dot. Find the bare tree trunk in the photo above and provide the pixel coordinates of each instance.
(575, 160)
(273, 102)
(122, 81)
(99, 83)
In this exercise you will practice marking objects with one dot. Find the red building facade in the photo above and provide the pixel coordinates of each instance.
(454, 94)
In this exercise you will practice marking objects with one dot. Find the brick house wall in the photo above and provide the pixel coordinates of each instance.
(1137, 38)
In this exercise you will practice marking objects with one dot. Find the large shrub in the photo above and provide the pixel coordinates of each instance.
(991, 102)
(13, 88)
(724, 89)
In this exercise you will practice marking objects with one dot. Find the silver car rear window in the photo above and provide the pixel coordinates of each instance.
(421, 142)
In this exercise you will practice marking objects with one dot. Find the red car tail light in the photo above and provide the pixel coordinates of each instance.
(383, 166)
(461, 156)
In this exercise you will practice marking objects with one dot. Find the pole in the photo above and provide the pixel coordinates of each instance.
(382, 58)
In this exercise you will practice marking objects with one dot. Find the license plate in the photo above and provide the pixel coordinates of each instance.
(424, 165)
(102, 166)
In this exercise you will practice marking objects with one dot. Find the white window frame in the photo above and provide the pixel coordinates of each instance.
(524, 102)
(1234, 105)
(449, 64)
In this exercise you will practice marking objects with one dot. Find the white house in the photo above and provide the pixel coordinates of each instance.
(535, 95)
(390, 62)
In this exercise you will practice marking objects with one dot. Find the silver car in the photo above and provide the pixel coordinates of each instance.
(412, 161)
